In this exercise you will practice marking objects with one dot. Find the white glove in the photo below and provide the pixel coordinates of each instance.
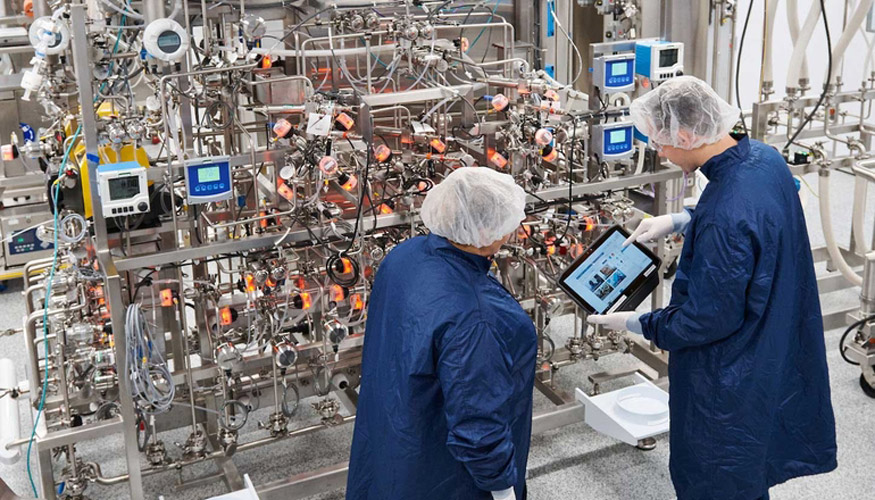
(654, 228)
(507, 494)
(617, 321)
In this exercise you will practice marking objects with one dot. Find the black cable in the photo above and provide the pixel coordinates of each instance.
(738, 65)
(335, 276)
(851, 328)
(825, 85)
(570, 183)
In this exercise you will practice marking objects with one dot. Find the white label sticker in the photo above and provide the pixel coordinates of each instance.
(318, 124)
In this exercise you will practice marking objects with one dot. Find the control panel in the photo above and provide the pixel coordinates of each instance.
(124, 189)
(659, 60)
(208, 179)
(19, 231)
(613, 141)
(614, 73)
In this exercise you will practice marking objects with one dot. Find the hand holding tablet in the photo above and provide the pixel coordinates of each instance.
(611, 275)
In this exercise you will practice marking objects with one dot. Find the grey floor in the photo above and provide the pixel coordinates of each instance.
(571, 462)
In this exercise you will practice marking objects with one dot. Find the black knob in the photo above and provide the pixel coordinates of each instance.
(143, 206)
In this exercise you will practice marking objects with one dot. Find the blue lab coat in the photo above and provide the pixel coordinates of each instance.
(749, 388)
(445, 404)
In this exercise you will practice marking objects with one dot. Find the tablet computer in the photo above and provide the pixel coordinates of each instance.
(608, 277)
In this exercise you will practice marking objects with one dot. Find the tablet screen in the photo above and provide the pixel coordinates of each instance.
(603, 276)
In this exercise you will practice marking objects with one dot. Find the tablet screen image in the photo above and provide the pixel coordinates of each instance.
(603, 277)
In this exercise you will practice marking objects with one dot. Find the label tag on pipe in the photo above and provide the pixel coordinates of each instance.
(319, 124)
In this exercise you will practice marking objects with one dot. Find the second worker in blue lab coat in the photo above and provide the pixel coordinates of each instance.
(749, 390)
(445, 405)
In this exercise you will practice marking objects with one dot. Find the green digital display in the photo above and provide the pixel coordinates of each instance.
(208, 174)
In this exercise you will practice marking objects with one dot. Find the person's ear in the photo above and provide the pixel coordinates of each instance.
(685, 139)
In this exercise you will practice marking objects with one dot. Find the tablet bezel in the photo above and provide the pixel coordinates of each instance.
(637, 290)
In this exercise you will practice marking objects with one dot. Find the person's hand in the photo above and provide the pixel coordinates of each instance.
(616, 321)
(654, 228)
(507, 494)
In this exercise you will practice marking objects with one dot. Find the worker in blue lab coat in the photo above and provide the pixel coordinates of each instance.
(445, 404)
(749, 390)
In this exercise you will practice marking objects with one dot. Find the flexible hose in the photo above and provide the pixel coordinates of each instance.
(860, 190)
(771, 12)
(826, 220)
(854, 23)
(799, 49)
(793, 22)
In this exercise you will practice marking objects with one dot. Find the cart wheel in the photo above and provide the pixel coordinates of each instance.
(867, 389)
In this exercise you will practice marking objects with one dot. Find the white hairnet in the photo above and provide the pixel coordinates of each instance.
(474, 206)
(683, 103)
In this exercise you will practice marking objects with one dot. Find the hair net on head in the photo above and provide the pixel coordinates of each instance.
(683, 103)
(474, 206)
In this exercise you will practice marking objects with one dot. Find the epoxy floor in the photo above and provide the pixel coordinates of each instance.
(573, 462)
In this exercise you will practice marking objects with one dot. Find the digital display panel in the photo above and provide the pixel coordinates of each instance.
(209, 174)
(169, 42)
(617, 136)
(123, 188)
(606, 274)
(620, 68)
(668, 57)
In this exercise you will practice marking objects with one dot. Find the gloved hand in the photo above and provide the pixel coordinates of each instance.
(507, 494)
(654, 228)
(628, 320)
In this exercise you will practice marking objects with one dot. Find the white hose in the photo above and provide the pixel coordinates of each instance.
(793, 22)
(826, 221)
(854, 23)
(771, 12)
(799, 49)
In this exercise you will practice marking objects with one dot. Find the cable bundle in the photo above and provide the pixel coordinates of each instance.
(151, 384)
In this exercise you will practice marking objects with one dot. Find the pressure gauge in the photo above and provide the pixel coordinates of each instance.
(165, 39)
(59, 35)
(285, 354)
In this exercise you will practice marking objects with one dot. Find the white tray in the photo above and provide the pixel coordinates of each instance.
(629, 414)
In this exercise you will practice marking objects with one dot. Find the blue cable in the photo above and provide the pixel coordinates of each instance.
(494, 9)
(42, 401)
(57, 189)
